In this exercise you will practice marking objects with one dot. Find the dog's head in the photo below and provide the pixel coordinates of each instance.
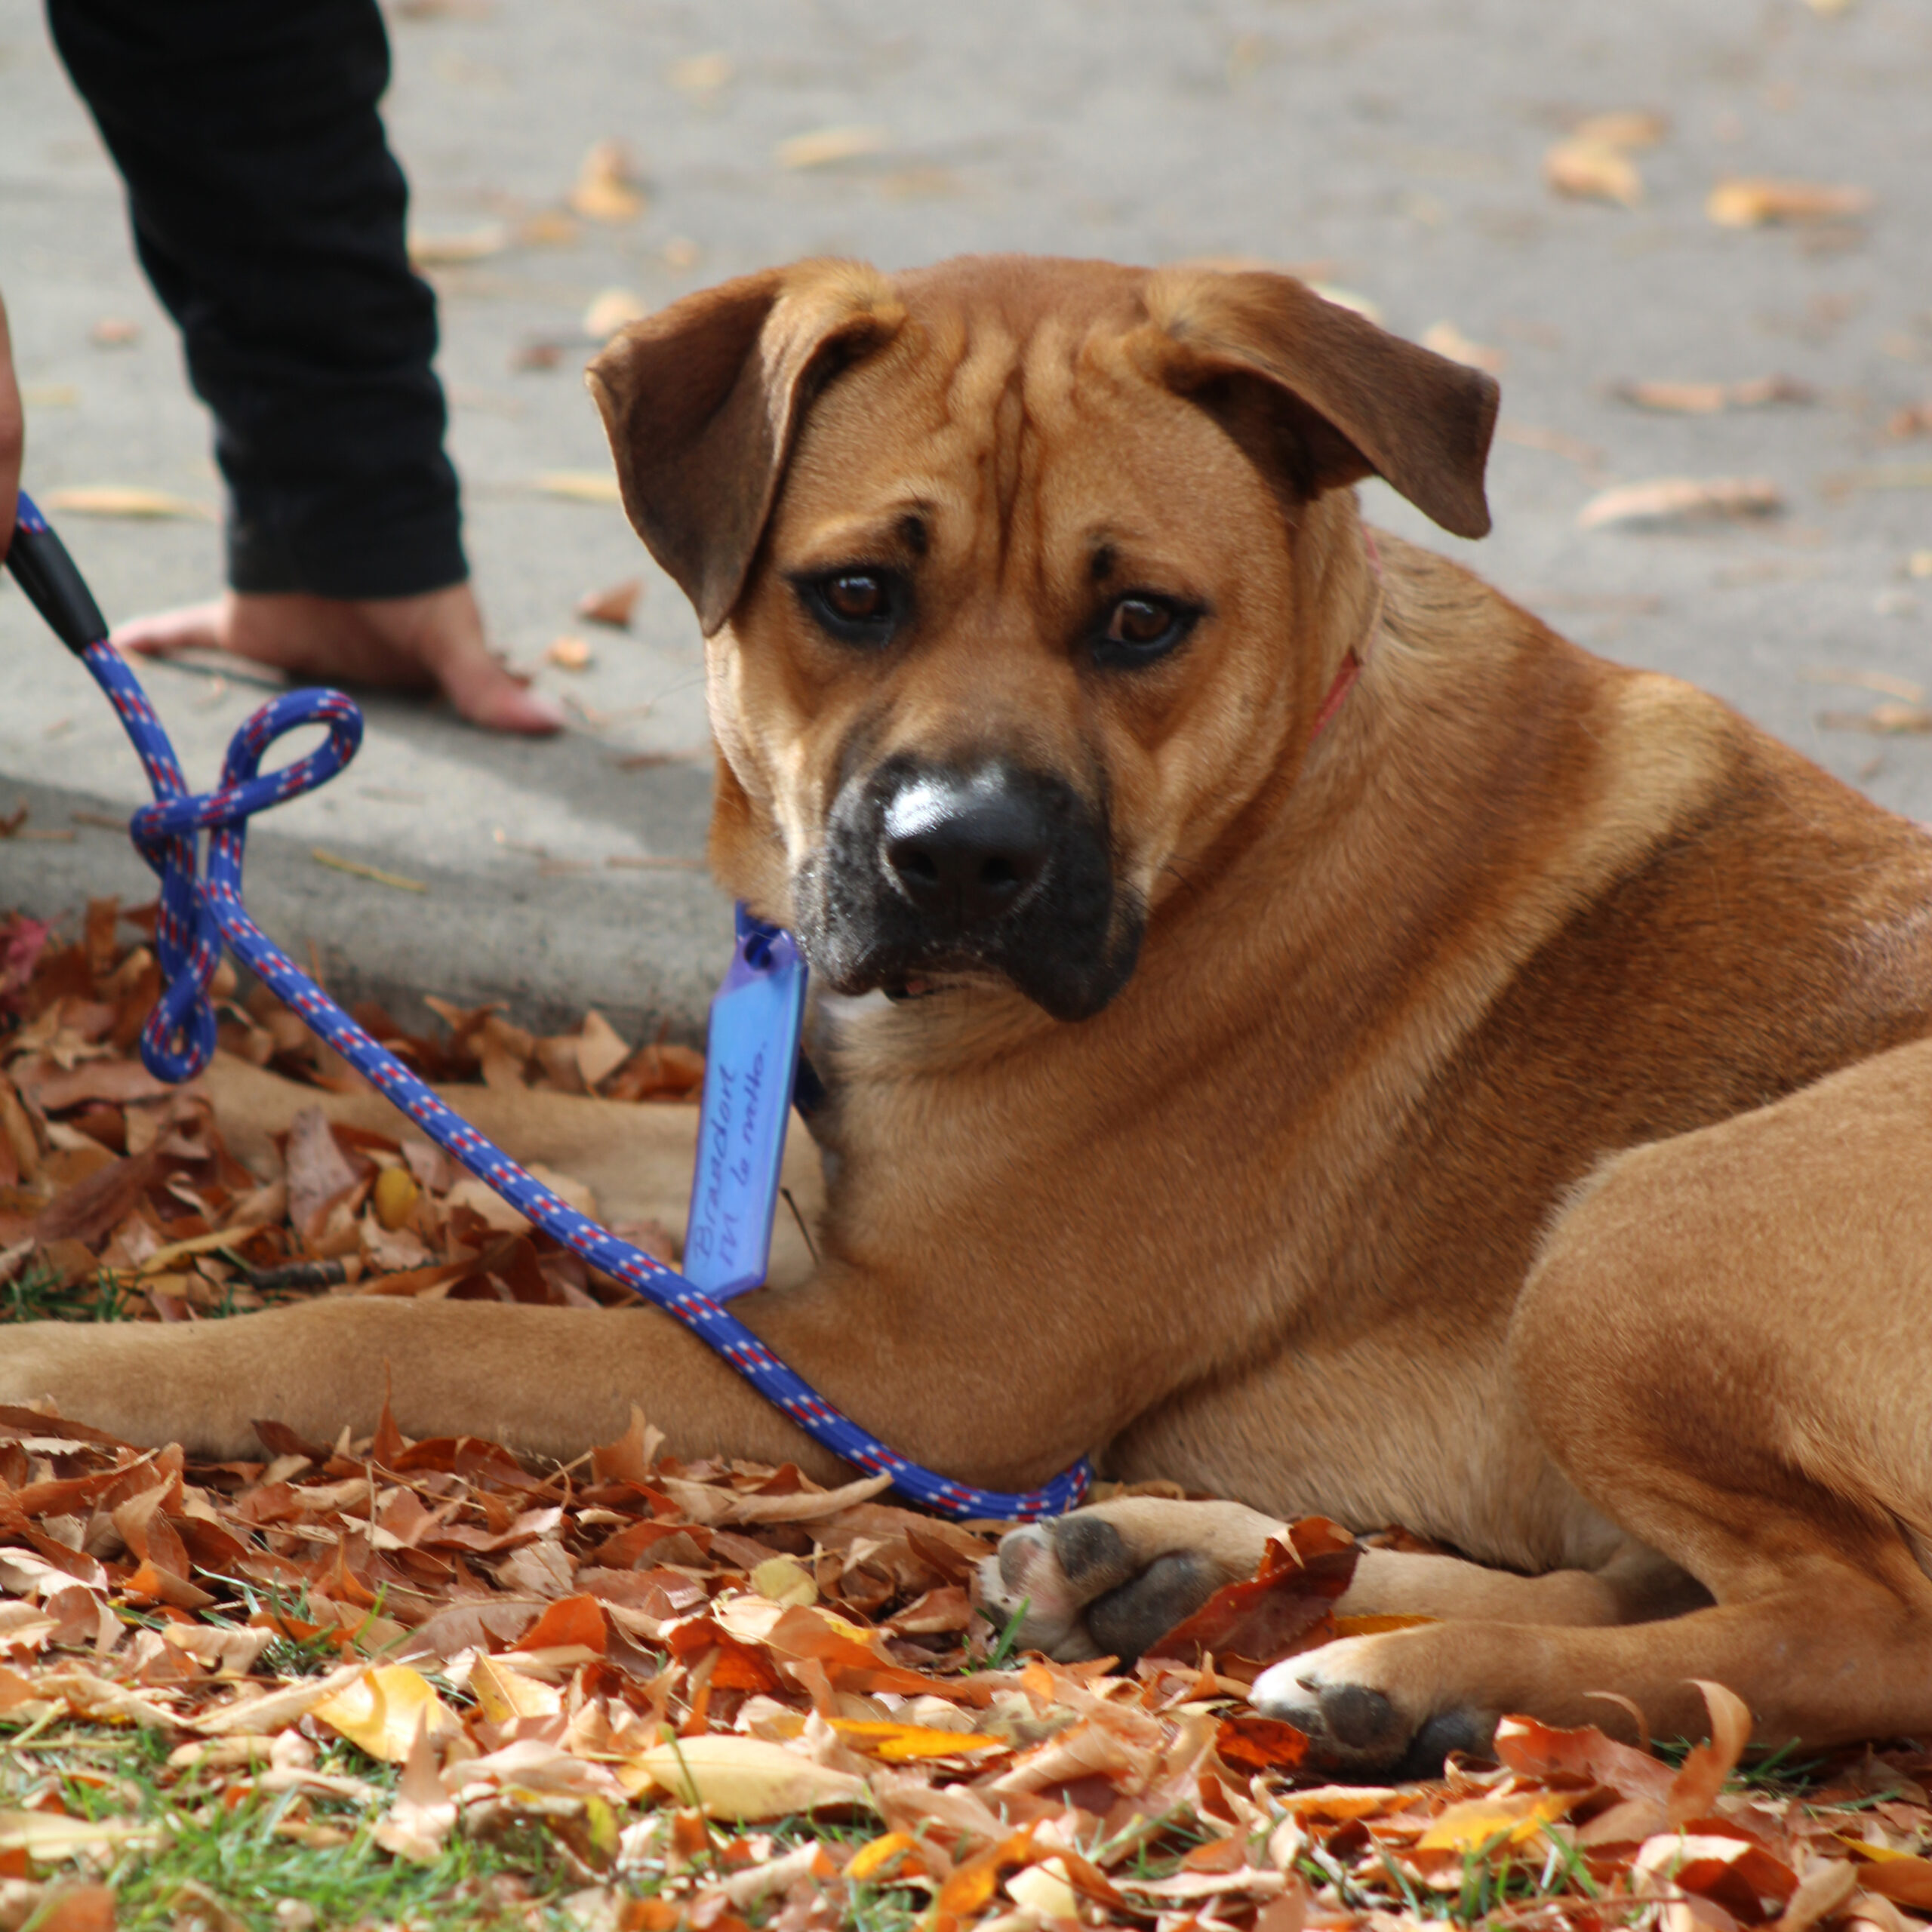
(1021, 579)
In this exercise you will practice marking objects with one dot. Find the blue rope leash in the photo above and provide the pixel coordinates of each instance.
(197, 914)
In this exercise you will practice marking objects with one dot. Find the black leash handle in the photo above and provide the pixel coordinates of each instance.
(43, 569)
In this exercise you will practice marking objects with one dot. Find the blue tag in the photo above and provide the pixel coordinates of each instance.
(751, 1061)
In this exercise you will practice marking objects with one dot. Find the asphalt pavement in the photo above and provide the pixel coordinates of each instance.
(1392, 148)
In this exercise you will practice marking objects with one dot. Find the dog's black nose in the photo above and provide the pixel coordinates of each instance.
(964, 850)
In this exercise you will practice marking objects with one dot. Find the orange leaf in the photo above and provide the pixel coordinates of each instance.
(1287, 1598)
(1696, 1785)
(575, 1621)
(905, 1743)
(1260, 1744)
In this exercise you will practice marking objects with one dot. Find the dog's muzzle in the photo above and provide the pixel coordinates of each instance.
(931, 871)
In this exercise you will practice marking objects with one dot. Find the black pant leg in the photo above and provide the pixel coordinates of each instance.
(268, 213)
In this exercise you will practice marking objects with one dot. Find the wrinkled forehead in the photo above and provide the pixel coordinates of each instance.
(1041, 428)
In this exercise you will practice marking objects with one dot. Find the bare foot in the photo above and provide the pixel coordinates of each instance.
(433, 642)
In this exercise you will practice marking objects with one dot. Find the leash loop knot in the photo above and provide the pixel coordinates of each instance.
(179, 1039)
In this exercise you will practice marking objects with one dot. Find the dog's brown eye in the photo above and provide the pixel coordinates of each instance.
(1142, 628)
(1139, 620)
(859, 606)
(858, 598)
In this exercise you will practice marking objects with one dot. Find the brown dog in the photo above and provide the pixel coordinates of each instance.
(1490, 1092)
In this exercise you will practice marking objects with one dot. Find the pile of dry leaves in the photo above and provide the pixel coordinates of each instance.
(725, 1695)
(120, 1192)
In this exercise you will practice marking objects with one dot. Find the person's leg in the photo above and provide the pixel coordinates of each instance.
(268, 214)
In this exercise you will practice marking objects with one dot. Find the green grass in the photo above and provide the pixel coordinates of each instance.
(35, 1294)
(237, 1854)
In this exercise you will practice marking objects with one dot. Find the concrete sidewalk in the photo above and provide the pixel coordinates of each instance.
(1391, 147)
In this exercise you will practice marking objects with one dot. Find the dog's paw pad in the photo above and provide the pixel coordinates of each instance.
(1087, 1592)
(1357, 1729)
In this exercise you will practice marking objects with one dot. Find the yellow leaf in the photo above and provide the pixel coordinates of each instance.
(1754, 202)
(824, 145)
(568, 653)
(609, 312)
(783, 1581)
(1445, 339)
(580, 486)
(1478, 1821)
(428, 251)
(877, 1853)
(123, 499)
(1626, 127)
(380, 1710)
(1044, 1888)
(504, 1692)
(606, 189)
(730, 1777)
(1676, 500)
(1593, 170)
(396, 1191)
(702, 75)
(905, 1743)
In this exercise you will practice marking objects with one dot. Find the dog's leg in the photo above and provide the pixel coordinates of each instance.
(1111, 1580)
(1727, 1346)
(553, 1381)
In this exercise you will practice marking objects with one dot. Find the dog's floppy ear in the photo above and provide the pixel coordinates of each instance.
(701, 401)
(1358, 401)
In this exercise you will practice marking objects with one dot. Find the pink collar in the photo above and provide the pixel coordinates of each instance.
(1351, 666)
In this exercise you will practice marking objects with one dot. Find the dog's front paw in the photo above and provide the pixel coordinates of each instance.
(1364, 1705)
(1109, 1581)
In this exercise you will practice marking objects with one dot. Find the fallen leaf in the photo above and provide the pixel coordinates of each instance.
(1742, 1878)
(47, 1836)
(1445, 339)
(1477, 1822)
(474, 244)
(825, 146)
(1624, 128)
(76, 1909)
(612, 311)
(1708, 399)
(580, 486)
(1695, 1786)
(1681, 499)
(606, 189)
(1908, 691)
(120, 499)
(908, 1743)
(1542, 1750)
(701, 74)
(1882, 720)
(1045, 1889)
(613, 605)
(600, 1049)
(1593, 170)
(1756, 202)
(727, 1776)
(381, 1709)
(1290, 1595)
(318, 1172)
